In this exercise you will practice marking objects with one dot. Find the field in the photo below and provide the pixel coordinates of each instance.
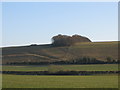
(50, 81)
(24, 81)
(92, 67)
(41, 53)
(47, 53)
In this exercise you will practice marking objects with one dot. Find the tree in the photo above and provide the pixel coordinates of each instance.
(64, 40)
(77, 38)
(109, 60)
(61, 40)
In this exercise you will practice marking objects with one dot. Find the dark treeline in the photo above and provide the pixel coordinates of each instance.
(64, 40)
(59, 72)
(82, 60)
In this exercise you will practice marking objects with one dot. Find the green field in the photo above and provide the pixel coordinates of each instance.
(93, 67)
(41, 53)
(29, 81)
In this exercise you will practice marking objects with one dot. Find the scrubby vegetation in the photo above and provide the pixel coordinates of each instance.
(82, 60)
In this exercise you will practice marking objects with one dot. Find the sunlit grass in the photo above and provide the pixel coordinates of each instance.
(29, 81)
(93, 67)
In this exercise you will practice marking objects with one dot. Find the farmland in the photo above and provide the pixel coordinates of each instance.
(24, 81)
(92, 67)
(46, 53)
(50, 81)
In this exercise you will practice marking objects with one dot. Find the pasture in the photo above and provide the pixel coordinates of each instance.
(26, 81)
(52, 81)
(92, 67)
(46, 53)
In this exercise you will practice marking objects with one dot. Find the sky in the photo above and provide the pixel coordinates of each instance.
(26, 23)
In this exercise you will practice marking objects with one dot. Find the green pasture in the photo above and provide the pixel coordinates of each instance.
(92, 67)
(29, 81)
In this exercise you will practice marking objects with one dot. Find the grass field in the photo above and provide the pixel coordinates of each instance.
(46, 53)
(98, 50)
(24, 81)
(93, 67)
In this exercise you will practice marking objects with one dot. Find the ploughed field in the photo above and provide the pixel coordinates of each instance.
(28, 81)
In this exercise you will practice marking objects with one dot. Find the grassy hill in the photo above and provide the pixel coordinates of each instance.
(48, 53)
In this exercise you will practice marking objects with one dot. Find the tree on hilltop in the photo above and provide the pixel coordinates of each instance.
(64, 40)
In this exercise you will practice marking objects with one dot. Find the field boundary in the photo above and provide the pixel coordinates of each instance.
(60, 88)
(59, 72)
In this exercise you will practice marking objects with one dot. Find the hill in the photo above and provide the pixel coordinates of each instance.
(102, 51)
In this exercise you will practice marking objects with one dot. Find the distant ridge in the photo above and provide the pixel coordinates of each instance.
(102, 51)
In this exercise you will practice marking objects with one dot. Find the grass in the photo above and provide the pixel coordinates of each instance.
(24, 68)
(24, 81)
(98, 50)
(93, 67)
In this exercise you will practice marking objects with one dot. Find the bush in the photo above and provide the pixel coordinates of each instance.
(54, 68)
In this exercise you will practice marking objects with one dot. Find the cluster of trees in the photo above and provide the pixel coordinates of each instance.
(111, 60)
(81, 60)
(64, 40)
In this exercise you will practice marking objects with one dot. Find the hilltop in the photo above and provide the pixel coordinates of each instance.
(102, 51)
(65, 40)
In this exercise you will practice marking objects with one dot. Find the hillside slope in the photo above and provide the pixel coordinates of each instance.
(47, 53)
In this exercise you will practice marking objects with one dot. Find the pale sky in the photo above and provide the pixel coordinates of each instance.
(26, 23)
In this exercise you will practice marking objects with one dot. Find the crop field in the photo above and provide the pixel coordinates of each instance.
(93, 67)
(28, 81)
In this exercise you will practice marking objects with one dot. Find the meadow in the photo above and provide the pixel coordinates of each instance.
(47, 53)
(26, 81)
(98, 50)
(90, 67)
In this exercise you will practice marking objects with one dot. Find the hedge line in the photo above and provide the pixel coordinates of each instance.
(59, 72)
